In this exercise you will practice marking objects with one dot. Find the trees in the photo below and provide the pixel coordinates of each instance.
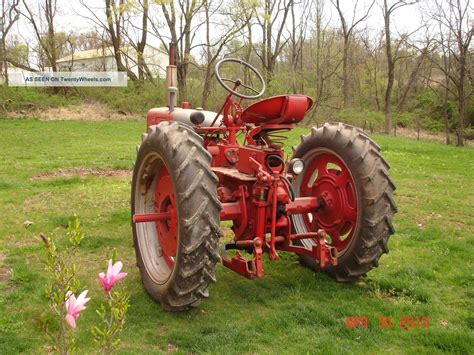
(272, 23)
(140, 47)
(414, 74)
(225, 23)
(115, 11)
(87, 40)
(454, 39)
(347, 32)
(8, 16)
(297, 37)
(135, 31)
(180, 22)
(388, 10)
(45, 34)
(116, 14)
(324, 55)
(373, 50)
(51, 44)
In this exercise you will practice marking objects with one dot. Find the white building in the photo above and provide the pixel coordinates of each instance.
(103, 59)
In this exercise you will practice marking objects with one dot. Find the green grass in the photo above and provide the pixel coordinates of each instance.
(429, 270)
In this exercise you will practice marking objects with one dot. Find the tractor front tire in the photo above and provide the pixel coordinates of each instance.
(176, 257)
(344, 169)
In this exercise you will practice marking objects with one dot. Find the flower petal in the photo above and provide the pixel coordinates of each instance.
(70, 302)
(82, 297)
(103, 281)
(120, 276)
(79, 305)
(117, 267)
(70, 321)
(110, 269)
(78, 309)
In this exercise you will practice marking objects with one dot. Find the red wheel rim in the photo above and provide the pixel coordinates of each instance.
(328, 178)
(167, 230)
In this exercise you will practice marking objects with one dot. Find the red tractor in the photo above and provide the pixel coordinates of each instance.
(330, 202)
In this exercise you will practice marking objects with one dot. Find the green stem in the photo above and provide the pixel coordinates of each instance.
(109, 334)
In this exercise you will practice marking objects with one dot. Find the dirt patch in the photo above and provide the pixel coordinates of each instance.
(81, 172)
(4, 271)
(171, 348)
(82, 112)
(397, 295)
(430, 136)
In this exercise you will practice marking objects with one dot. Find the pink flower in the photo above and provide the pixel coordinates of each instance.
(74, 306)
(113, 275)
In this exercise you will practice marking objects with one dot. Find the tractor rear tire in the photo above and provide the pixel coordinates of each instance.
(353, 177)
(176, 257)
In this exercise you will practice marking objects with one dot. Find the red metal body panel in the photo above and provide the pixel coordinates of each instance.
(277, 109)
(157, 115)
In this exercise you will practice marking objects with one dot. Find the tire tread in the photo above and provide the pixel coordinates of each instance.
(198, 249)
(377, 202)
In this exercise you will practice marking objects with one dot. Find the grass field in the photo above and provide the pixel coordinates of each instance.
(429, 271)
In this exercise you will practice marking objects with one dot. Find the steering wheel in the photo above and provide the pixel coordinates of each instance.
(238, 82)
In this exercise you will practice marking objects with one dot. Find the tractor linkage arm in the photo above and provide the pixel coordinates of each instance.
(321, 252)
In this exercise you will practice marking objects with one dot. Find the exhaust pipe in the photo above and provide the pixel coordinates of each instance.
(171, 80)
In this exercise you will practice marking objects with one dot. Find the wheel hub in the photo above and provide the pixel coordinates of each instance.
(327, 190)
(328, 178)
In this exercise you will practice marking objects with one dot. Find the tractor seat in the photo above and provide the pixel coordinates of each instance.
(277, 110)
